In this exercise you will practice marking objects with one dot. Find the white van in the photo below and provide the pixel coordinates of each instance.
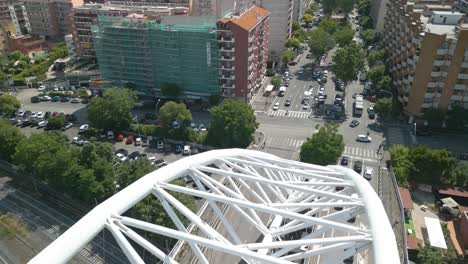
(187, 150)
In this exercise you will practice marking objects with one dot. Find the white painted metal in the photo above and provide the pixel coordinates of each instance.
(274, 197)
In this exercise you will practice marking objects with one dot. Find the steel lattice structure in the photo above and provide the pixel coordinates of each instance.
(291, 196)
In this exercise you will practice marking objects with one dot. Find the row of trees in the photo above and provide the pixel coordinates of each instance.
(424, 165)
(232, 122)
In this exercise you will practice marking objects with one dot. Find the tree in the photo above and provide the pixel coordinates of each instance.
(9, 104)
(287, 56)
(15, 55)
(307, 18)
(170, 90)
(293, 43)
(312, 9)
(430, 166)
(430, 255)
(401, 163)
(367, 23)
(348, 62)
(344, 37)
(459, 175)
(320, 42)
(434, 117)
(376, 73)
(9, 138)
(364, 7)
(300, 34)
(346, 6)
(329, 25)
(384, 106)
(112, 110)
(368, 36)
(376, 57)
(329, 6)
(385, 83)
(232, 125)
(295, 26)
(324, 147)
(276, 81)
(56, 122)
(174, 111)
(457, 118)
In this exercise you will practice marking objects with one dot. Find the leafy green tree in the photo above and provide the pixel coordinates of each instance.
(434, 117)
(384, 106)
(174, 111)
(368, 37)
(9, 104)
(287, 56)
(214, 99)
(324, 147)
(376, 73)
(364, 7)
(9, 138)
(329, 6)
(276, 81)
(376, 57)
(430, 255)
(320, 42)
(307, 18)
(112, 110)
(56, 122)
(170, 90)
(300, 34)
(344, 36)
(15, 55)
(312, 9)
(293, 43)
(385, 83)
(401, 163)
(348, 62)
(367, 23)
(430, 166)
(457, 118)
(346, 6)
(232, 125)
(295, 26)
(329, 25)
(459, 175)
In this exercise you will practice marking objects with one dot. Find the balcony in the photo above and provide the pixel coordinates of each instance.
(460, 87)
(232, 49)
(464, 65)
(228, 86)
(426, 105)
(232, 77)
(251, 38)
(442, 51)
(226, 68)
(435, 84)
(442, 74)
(463, 76)
(456, 98)
(439, 62)
(226, 58)
(230, 40)
(250, 49)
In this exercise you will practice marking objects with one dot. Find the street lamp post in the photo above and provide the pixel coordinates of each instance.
(157, 105)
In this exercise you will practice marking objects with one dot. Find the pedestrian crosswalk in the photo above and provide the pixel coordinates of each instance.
(281, 141)
(360, 152)
(295, 114)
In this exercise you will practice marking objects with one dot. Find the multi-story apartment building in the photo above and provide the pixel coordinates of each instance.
(243, 42)
(299, 8)
(83, 17)
(218, 8)
(201, 55)
(20, 18)
(7, 29)
(13, 20)
(49, 18)
(428, 54)
(378, 12)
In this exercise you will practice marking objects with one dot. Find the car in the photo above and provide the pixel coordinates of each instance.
(40, 115)
(339, 96)
(67, 125)
(187, 150)
(25, 123)
(202, 128)
(21, 113)
(77, 140)
(46, 98)
(42, 124)
(64, 99)
(345, 161)
(363, 138)
(138, 141)
(177, 148)
(84, 127)
(152, 159)
(145, 142)
(47, 115)
(110, 135)
(370, 110)
(61, 88)
(129, 139)
(368, 173)
(134, 155)
(33, 115)
(306, 107)
(55, 99)
(287, 102)
(56, 88)
(357, 166)
(120, 137)
(75, 100)
(123, 151)
(35, 99)
(354, 123)
(194, 126)
(19, 122)
(142, 156)
(175, 124)
(41, 88)
(85, 100)
(276, 106)
(160, 163)
(371, 115)
(121, 157)
(160, 145)
(34, 123)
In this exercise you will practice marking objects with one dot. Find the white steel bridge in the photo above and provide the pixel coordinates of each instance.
(336, 211)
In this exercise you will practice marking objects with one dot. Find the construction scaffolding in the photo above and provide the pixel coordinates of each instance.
(149, 54)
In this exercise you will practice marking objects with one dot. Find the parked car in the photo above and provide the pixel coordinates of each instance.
(55, 98)
(21, 114)
(110, 135)
(84, 127)
(41, 88)
(40, 115)
(138, 141)
(46, 98)
(276, 106)
(345, 161)
(177, 148)
(64, 99)
(78, 140)
(354, 123)
(120, 137)
(42, 124)
(134, 155)
(129, 139)
(25, 123)
(35, 99)
(121, 157)
(202, 128)
(187, 150)
(160, 145)
(67, 126)
(357, 166)
(287, 102)
(122, 151)
(160, 163)
(368, 174)
(175, 124)
(85, 100)
(33, 115)
(363, 138)
(75, 101)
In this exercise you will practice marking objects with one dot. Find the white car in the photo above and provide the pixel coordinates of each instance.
(46, 98)
(33, 115)
(20, 113)
(160, 144)
(306, 107)
(202, 128)
(276, 106)
(322, 89)
(84, 127)
(368, 173)
(41, 88)
(363, 138)
(40, 115)
(42, 124)
(138, 141)
(121, 157)
(68, 125)
(187, 150)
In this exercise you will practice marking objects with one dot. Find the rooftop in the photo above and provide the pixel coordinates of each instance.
(248, 19)
(406, 198)
(132, 7)
(453, 191)
(435, 233)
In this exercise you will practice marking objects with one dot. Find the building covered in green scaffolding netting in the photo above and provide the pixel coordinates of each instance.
(150, 54)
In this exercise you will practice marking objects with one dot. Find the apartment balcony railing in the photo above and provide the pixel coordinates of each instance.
(228, 86)
(226, 68)
(462, 87)
(411, 78)
(442, 51)
(440, 62)
(464, 65)
(456, 98)
(226, 58)
(232, 49)
(232, 77)
(463, 76)
(226, 40)
(442, 74)
(435, 84)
